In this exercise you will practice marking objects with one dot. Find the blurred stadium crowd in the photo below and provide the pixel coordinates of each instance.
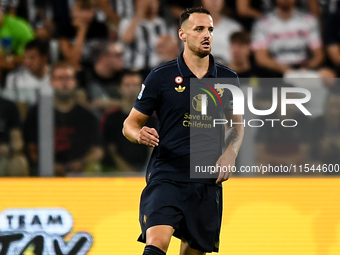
(96, 53)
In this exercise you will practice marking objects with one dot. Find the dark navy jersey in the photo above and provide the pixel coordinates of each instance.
(167, 91)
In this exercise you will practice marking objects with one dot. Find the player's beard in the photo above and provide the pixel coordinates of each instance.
(203, 53)
(198, 51)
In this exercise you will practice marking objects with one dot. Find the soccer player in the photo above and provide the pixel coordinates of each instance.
(172, 203)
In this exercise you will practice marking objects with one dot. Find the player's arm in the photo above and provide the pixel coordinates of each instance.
(235, 138)
(134, 131)
(235, 134)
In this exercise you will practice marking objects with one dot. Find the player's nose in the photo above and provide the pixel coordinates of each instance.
(207, 34)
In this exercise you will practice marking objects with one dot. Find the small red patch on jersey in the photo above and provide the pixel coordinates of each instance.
(178, 79)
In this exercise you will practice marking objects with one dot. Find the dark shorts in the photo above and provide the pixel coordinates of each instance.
(194, 210)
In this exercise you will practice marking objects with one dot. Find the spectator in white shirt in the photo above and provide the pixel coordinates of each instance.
(23, 83)
(283, 39)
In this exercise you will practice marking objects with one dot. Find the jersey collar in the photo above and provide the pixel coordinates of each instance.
(185, 71)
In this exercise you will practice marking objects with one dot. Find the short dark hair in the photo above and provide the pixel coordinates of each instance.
(41, 46)
(241, 37)
(186, 14)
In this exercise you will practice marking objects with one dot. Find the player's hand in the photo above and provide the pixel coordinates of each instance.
(225, 162)
(148, 136)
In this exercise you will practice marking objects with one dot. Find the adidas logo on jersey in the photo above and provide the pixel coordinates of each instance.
(180, 89)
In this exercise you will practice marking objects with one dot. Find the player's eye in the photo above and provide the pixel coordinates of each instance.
(199, 29)
(211, 30)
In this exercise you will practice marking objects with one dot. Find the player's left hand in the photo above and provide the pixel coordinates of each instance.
(225, 162)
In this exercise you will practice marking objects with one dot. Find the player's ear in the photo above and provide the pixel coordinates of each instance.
(182, 35)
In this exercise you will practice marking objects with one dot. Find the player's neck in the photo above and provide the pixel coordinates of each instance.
(197, 65)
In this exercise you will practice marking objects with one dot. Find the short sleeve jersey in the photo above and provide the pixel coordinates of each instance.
(166, 91)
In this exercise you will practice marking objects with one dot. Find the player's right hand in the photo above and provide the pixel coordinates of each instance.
(148, 136)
